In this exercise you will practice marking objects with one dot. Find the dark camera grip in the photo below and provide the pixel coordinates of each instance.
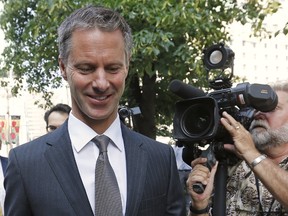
(198, 187)
(211, 160)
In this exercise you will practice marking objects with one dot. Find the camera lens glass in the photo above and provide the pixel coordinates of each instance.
(216, 57)
(124, 112)
(197, 120)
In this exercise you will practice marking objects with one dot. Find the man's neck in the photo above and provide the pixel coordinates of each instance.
(278, 153)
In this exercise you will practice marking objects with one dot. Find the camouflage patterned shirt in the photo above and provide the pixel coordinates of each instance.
(242, 195)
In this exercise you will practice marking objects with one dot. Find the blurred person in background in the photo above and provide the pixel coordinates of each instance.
(56, 116)
(4, 161)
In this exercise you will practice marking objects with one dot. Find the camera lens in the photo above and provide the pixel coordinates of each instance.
(197, 120)
(124, 112)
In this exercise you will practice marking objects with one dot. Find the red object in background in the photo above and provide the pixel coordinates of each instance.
(14, 123)
(17, 129)
(13, 136)
(14, 130)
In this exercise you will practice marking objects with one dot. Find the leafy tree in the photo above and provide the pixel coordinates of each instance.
(169, 37)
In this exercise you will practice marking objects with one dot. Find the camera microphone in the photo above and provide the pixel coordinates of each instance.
(184, 90)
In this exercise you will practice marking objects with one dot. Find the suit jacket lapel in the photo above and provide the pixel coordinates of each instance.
(61, 160)
(136, 157)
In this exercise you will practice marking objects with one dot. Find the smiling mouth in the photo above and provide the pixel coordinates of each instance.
(100, 98)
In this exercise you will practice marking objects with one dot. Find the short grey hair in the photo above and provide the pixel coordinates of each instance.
(90, 17)
(280, 86)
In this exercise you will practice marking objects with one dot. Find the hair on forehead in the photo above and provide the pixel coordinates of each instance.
(280, 86)
(90, 17)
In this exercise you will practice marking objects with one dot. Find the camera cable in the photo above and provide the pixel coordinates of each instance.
(260, 200)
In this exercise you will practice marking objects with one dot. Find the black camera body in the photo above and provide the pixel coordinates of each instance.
(126, 112)
(197, 120)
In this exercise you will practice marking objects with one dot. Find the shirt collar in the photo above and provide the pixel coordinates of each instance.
(81, 134)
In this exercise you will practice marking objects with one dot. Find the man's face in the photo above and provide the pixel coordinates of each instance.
(96, 71)
(55, 120)
(271, 129)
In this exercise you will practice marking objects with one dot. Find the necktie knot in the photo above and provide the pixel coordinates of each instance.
(102, 142)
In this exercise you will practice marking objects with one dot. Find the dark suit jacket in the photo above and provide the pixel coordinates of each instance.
(4, 162)
(42, 178)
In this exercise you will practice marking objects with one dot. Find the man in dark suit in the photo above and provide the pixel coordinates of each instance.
(54, 174)
(4, 161)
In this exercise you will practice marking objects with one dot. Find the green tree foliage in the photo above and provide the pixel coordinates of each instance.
(169, 37)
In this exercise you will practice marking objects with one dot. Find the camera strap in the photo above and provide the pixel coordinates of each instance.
(260, 200)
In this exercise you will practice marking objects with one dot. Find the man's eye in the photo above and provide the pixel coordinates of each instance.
(113, 69)
(51, 128)
(86, 69)
(277, 108)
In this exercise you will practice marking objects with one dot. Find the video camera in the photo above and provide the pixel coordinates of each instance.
(197, 117)
(126, 112)
(196, 120)
(127, 115)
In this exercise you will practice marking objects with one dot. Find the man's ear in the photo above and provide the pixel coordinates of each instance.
(127, 67)
(62, 67)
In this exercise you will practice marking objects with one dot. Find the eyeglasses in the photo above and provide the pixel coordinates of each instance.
(51, 128)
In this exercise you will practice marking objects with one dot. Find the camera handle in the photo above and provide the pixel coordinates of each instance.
(211, 160)
(219, 198)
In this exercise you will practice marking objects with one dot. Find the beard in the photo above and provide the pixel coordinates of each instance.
(265, 137)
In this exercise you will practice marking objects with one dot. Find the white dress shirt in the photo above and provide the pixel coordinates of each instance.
(86, 154)
(181, 165)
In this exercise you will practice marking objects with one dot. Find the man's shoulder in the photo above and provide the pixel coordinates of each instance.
(36, 145)
(3, 158)
(145, 139)
(55, 137)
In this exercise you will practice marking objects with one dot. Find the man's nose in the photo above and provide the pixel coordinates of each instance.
(100, 81)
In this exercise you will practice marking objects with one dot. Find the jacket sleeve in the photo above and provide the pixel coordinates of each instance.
(16, 202)
(176, 199)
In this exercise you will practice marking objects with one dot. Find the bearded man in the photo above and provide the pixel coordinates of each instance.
(257, 185)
